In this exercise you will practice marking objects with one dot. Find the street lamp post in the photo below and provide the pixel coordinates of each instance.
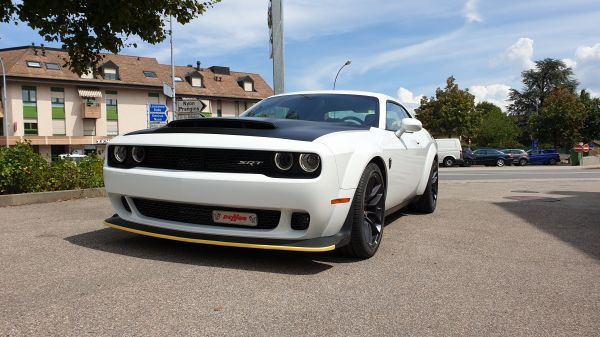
(4, 101)
(342, 67)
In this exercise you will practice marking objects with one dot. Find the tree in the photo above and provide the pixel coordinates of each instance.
(88, 27)
(561, 119)
(451, 112)
(539, 83)
(591, 128)
(496, 129)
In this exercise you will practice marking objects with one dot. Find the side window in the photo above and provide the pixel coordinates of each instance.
(394, 116)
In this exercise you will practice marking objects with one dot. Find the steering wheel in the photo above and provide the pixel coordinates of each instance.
(353, 119)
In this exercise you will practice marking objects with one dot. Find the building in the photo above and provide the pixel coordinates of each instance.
(61, 112)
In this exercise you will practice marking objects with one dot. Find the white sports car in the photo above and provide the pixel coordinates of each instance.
(308, 171)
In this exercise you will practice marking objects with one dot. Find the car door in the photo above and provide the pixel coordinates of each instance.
(404, 157)
(479, 157)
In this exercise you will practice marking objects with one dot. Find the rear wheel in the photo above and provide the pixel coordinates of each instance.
(500, 162)
(428, 201)
(367, 214)
(448, 161)
(468, 162)
(552, 161)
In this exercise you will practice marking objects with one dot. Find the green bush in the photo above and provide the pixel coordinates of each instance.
(22, 170)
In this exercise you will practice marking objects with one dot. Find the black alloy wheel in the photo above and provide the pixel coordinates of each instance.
(428, 201)
(368, 214)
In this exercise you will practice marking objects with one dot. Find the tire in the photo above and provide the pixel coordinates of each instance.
(448, 161)
(552, 161)
(522, 162)
(368, 215)
(428, 201)
(467, 163)
(500, 162)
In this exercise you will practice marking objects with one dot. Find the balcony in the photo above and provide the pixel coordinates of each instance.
(90, 109)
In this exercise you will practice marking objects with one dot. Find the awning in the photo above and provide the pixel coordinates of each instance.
(90, 93)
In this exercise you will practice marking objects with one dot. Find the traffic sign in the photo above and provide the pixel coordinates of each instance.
(161, 108)
(586, 147)
(157, 117)
(579, 148)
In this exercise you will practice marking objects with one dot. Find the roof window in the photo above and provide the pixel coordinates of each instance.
(34, 64)
(178, 79)
(149, 73)
(52, 66)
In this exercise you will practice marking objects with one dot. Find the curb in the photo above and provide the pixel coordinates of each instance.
(45, 197)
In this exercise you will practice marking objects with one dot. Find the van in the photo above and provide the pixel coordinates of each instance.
(449, 151)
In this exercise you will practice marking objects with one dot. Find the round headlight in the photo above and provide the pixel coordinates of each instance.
(284, 161)
(309, 162)
(120, 153)
(138, 154)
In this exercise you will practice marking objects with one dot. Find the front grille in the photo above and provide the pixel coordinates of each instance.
(213, 160)
(200, 214)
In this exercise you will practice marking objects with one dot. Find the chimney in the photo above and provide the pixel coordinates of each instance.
(198, 65)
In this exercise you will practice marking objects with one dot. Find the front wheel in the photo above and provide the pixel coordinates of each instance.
(428, 201)
(467, 163)
(552, 161)
(368, 215)
(500, 162)
(449, 162)
(522, 162)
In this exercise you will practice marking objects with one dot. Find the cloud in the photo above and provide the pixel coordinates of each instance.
(470, 11)
(588, 53)
(587, 59)
(570, 63)
(408, 98)
(493, 93)
(519, 54)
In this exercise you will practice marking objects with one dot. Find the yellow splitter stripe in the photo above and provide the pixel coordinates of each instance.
(223, 243)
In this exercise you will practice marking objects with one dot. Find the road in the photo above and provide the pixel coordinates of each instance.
(520, 173)
(496, 259)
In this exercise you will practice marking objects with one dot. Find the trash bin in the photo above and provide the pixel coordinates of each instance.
(576, 158)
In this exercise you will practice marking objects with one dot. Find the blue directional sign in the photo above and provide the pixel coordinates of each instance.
(157, 117)
(157, 108)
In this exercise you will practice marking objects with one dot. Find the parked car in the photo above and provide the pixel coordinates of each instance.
(310, 171)
(520, 157)
(491, 157)
(449, 151)
(544, 157)
(468, 157)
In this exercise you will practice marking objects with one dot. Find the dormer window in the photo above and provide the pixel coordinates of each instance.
(195, 79)
(110, 74)
(247, 83)
(34, 64)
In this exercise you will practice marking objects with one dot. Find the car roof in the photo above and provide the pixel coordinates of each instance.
(342, 92)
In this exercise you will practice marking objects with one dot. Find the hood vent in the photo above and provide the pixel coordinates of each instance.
(228, 123)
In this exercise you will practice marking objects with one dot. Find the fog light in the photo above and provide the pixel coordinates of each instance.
(120, 153)
(309, 162)
(138, 154)
(284, 160)
(300, 221)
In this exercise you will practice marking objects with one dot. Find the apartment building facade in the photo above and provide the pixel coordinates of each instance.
(60, 112)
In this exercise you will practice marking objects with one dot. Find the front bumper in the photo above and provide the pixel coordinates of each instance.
(321, 244)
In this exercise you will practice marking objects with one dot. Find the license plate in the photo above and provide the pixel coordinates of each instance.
(235, 218)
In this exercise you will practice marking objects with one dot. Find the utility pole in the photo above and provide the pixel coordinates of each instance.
(276, 25)
(4, 101)
(172, 67)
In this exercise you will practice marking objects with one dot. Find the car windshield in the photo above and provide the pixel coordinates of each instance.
(353, 109)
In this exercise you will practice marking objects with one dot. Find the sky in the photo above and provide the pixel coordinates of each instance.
(401, 48)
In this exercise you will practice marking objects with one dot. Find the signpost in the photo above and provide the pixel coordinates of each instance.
(193, 108)
(578, 148)
(586, 147)
(157, 115)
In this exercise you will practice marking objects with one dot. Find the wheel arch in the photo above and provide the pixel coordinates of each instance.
(431, 156)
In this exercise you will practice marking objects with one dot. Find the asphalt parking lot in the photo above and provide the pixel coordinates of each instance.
(497, 258)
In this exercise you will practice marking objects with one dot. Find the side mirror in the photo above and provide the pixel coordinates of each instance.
(409, 125)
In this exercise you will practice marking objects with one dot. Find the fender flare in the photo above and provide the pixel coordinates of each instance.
(431, 156)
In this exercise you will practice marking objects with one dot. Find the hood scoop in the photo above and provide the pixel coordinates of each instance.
(226, 123)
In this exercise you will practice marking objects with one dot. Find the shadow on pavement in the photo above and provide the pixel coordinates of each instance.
(571, 216)
(144, 247)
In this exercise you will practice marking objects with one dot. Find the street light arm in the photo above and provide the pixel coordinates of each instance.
(338, 73)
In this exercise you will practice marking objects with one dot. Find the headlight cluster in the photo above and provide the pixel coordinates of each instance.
(309, 162)
(120, 153)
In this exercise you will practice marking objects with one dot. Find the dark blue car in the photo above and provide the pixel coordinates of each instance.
(543, 157)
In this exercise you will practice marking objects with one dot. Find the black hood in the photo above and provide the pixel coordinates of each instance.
(257, 127)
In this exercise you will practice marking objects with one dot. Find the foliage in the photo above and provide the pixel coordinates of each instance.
(560, 120)
(22, 170)
(591, 129)
(451, 112)
(88, 27)
(496, 129)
